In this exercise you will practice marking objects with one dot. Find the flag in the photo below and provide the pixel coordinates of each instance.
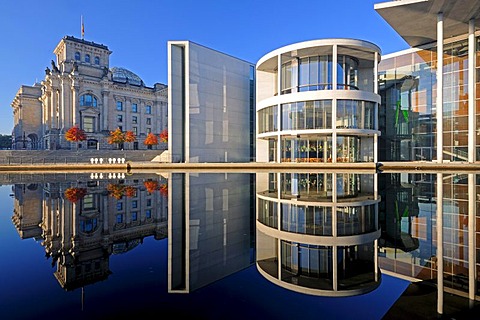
(83, 29)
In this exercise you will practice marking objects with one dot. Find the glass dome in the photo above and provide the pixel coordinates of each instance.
(125, 76)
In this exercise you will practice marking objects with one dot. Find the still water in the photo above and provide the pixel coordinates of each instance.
(232, 245)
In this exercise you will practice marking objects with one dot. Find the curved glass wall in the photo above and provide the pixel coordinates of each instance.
(307, 115)
(319, 186)
(267, 213)
(353, 220)
(355, 114)
(267, 119)
(304, 219)
(316, 73)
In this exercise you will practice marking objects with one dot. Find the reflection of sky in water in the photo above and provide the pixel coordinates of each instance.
(138, 286)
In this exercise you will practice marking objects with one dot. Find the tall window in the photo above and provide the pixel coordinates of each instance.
(119, 118)
(89, 124)
(97, 60)
(88, 100)
(87, 58)
(149, 121)
(148, 109)
(135, 130)
(134, 119)
(119, 105)
(77, 55)
(134, 107)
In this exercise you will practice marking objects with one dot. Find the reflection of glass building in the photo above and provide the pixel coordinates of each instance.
(317, 102)
(317, 232)
(81, 224)
(210, 228)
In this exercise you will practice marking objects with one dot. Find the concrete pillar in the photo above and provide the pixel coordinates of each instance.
(471, 93)
(439, 116)
(439, 255)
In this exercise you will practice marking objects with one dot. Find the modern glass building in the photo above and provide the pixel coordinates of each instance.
(317, 101)
(418, 121)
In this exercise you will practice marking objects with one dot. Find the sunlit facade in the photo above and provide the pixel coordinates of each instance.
(317, 101)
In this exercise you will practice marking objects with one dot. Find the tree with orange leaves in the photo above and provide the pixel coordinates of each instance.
(163, 135)
(129, 136)
(117, 137)
(151, 185)
(75, 194)
(150, 140)
(75, 134)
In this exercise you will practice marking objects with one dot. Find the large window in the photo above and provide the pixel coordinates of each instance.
(88, 100)
(267, 119)
(97, 60)
(355, 114)
(77, 56)
(134, 107)
(119, 106)
(307, 115)
(87, 58)
(148, 109)
(89, 124)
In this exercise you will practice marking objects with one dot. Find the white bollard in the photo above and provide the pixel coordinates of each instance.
(96, 160)
(101, 175)
(101, 160)
(91, 160)
(119, 160)
(109, 160)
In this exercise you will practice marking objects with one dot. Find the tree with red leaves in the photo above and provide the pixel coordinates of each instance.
(151, 186)
(75, 134)
(150, 140)
(163, 135)
(75, 194)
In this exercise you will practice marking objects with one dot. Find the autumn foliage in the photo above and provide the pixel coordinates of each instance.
(75, 194)
(150, 140)
(116, 136)
(129, 136)
(151, 186)
(164, 190)
(164, 135)
(75, 134)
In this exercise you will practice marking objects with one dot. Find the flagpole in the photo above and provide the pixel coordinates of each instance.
(83, 28)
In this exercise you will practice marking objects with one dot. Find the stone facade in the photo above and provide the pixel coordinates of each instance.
(80, 89)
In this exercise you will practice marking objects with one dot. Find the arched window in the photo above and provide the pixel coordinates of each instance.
(77, 55)
(97, 60)
(87, 58)
(88, 100)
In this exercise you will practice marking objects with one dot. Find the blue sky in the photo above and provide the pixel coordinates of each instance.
(137, 32)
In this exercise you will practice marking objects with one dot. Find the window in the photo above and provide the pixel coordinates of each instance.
(119, 105)
(134, 204)
(148, 109)
(119, 206)
(134, 119)
(149, 121)
(88, 100)
(77, 55)
(148, 213)
(97, 60)
(92, 144)
(88, 202)
(134, 216)
(119, 118)
(149, 130)
(149, 202)
(87, 58)
(135, 130)
(134, 107)
(120, 128)
(119, 218)
(89, 124)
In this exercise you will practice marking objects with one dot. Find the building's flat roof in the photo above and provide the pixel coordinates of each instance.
(416, 20)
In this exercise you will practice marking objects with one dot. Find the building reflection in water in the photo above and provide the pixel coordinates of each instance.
(430, 226)
(81, 223)
(317, 233)
(210, 228)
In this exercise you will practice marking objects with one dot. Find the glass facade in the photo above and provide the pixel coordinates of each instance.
(314, 129)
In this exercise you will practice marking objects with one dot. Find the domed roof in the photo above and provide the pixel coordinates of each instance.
(125, 76)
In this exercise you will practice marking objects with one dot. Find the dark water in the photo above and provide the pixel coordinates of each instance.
(80, 246)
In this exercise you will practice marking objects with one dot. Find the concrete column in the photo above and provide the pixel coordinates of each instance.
(439, 116)
(279, 109)
(53, 109)
(471, 93)
(439, 255)
(75, 103)
(104, 111)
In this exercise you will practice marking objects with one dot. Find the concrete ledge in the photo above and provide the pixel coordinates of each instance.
(143, 166)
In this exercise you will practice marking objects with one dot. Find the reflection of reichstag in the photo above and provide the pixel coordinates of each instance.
(81, 223)
(317, 232)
